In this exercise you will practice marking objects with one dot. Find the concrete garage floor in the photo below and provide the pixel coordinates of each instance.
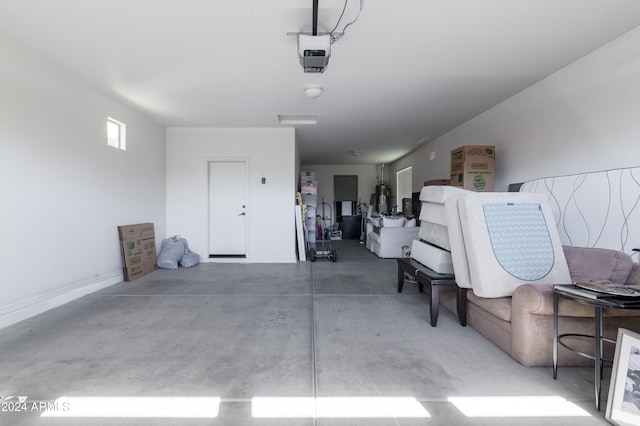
(271, 344)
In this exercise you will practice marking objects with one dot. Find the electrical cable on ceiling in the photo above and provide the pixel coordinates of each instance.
(339, 19)
(338, 37)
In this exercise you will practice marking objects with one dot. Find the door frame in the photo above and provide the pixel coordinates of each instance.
(207, 193)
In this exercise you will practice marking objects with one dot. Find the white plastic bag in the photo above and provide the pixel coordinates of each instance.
(189, 259)
(172, 251)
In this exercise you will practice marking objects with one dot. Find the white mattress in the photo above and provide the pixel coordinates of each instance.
(432, 257)
(435, 234)
(456, 242)
(433, 213)
(510, 240)
(454, 229)
(439, 193)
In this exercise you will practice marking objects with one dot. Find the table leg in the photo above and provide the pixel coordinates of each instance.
(434, 303)
(400, 278)
(461, 298)
(555, 336)
(598, 355)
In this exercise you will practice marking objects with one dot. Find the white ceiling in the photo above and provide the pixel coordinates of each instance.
(406, 72)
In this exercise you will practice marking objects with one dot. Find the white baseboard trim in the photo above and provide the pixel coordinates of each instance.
(249, 260)
(30, 306)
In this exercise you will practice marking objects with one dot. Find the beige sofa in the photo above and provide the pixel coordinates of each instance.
(522, 324)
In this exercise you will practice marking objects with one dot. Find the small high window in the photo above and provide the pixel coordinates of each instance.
(116, 134)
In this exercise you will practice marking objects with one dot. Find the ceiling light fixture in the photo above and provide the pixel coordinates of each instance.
(294, 119)
(355, 153)
(313, 91)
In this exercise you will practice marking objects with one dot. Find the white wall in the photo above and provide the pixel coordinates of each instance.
(583, 118)
(64, 190)
(270, 153)
(367, 180)
(421, 168)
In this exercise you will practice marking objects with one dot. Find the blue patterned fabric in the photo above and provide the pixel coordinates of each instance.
(520, 239)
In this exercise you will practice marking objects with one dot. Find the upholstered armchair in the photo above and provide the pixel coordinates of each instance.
(386, 235)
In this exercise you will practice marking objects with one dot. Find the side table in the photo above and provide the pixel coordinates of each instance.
(599, 303)
(434, 282)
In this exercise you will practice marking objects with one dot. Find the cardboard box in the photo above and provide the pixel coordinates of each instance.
(133, 272)
(129, 232)
(138, 250)
(473, 167)
(130, 249)
(147, 230)
(150, 267)
(148, 248)
(132, 261)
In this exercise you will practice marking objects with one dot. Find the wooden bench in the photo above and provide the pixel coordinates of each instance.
(434, 282)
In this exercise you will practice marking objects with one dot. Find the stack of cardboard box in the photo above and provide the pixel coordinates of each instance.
(138, 249)
(473, 167)
(309, 191)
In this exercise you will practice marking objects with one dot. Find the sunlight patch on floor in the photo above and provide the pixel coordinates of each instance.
(517, 406)
(337, 407)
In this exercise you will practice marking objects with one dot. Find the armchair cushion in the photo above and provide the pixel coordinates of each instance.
(598, 263)
(392, 221)
(634, 275)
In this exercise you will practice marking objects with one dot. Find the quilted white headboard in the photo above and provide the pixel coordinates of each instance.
(596, 209)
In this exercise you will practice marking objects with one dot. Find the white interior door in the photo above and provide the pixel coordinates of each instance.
(227, 208)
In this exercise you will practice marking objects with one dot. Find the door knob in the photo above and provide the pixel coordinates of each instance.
(242, 214)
